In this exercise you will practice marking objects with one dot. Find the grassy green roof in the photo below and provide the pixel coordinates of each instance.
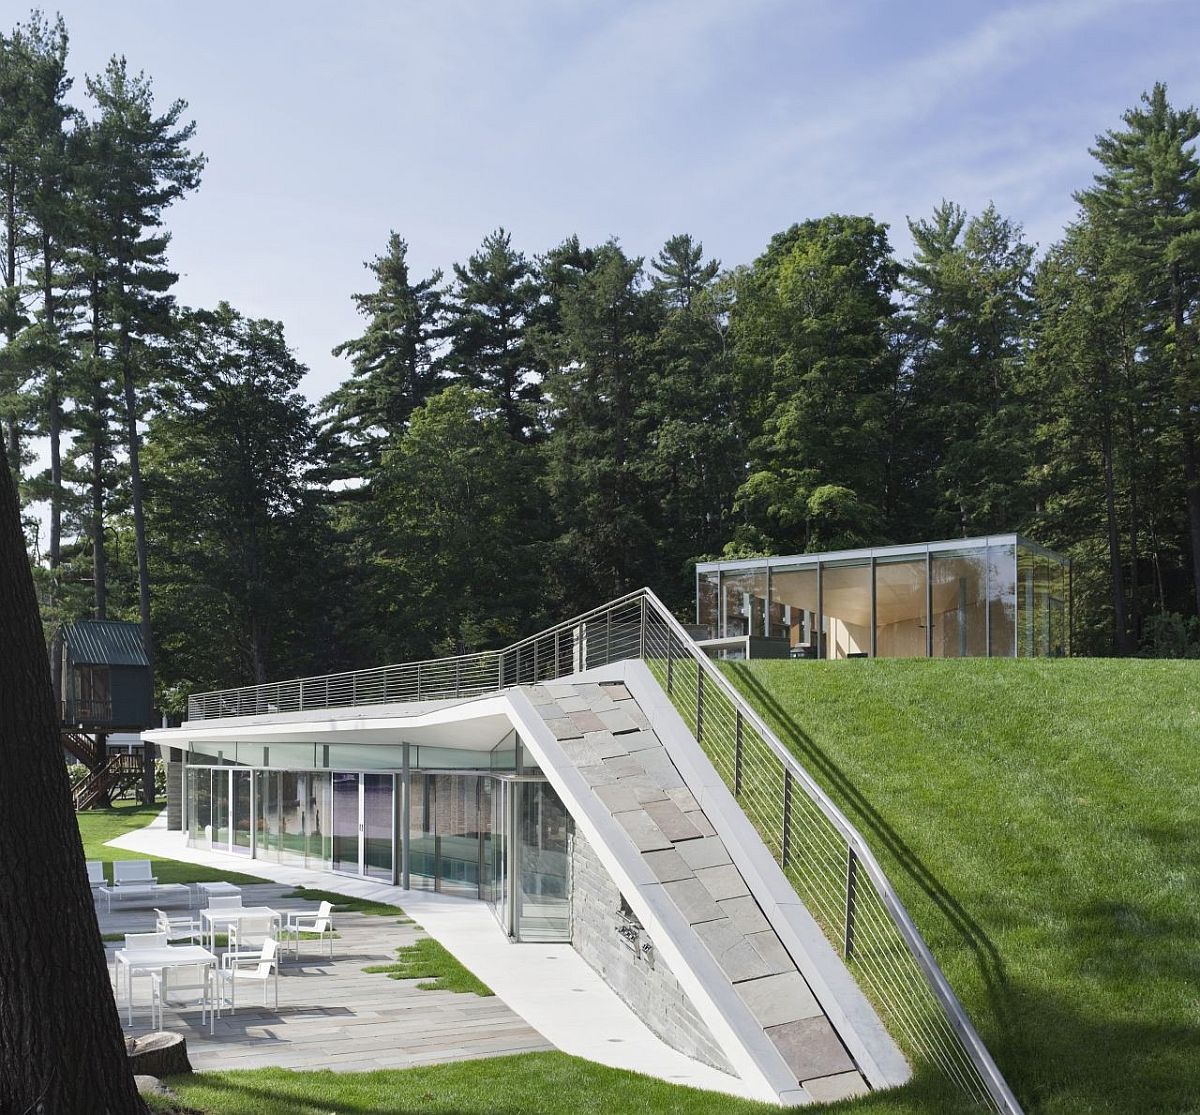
(1041, 821)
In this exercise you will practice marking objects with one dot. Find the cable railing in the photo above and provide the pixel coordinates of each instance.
(823, 856)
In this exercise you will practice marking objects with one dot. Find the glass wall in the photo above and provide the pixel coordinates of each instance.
(1002, 601)
(794, 607)
(242, 815)
(901, 607)
(708, 603)
(220, 807)
(971, 598)
(503, 837)
(846, 609)
(347, 854)
(744, 602)
(544, 871)
(377, 819)
(959, 583)
(293, 832)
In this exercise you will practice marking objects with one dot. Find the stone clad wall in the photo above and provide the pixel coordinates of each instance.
(649, 988)
(609, 739)
(174, 794)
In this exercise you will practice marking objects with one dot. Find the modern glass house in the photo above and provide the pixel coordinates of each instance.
(602, 784)
(1000, 596)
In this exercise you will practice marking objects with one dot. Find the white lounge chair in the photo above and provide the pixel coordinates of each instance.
(320, 923)
(133, 872)
(96, 879)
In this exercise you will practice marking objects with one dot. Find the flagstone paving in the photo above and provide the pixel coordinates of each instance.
(332, 1014)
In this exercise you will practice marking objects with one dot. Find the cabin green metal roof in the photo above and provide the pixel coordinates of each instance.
(106, 642)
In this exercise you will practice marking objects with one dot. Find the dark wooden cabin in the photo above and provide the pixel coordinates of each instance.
(107, 685)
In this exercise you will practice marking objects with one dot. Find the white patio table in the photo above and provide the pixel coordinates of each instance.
(207, 890)
(211, 919)
(155, 960)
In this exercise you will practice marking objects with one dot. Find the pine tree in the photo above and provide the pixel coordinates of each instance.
(459, 553)
(140, 163)
(595, 392)
(395, 365)
(489, 307)
(969, 310)
(692, 460)
(1145, 205)
(240, 553)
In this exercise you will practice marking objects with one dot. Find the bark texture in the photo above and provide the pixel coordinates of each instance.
(61, 1047)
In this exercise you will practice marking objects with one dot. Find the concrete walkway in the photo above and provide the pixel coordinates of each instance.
(548, 985)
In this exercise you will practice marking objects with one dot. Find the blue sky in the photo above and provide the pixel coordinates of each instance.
(328, 125)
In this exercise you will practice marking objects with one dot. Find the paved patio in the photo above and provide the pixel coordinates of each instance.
(548, 988)
(332, 1014)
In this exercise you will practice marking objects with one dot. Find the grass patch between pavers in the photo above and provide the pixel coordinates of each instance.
(222, 940)
(96, 826)
(346, 904)
(438, 970)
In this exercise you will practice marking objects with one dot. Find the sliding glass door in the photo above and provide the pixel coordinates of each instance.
(377, 817)
(347, 824)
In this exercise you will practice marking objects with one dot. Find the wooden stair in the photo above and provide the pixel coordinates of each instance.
(83, 747)
(99, 787)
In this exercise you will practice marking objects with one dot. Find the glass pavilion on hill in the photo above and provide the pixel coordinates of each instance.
(1001, 596)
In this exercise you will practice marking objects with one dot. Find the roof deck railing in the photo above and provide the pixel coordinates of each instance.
(825, 858)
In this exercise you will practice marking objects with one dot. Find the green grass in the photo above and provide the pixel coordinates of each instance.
(96, 826)
(345, 904)
(1041, 821)
(222, 940)
(527, 1084)
(438, 970)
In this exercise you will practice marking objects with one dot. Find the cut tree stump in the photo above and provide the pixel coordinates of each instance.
(161, 1054)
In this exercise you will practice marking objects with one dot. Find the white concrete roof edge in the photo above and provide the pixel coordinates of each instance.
(856, 1021)
(751, 1052)
(381, 718)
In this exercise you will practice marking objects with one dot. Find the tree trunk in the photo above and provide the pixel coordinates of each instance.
(13, 432)
(1193, 502)
(100, 417)
(54, 424)
(1120, 623)
(135, 484)
(61, 1047)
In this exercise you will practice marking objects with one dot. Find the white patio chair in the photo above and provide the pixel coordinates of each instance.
(320, 923)
(155, 940)
(262, 967)
(134, 943)
(95, 870)
(247, 936)
(181, 986)
(181, 927)
(225, 902)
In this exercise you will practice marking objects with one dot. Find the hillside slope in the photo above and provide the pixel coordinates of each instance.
(1041, 820)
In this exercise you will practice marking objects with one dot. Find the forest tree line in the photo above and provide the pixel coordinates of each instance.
(526, 435)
